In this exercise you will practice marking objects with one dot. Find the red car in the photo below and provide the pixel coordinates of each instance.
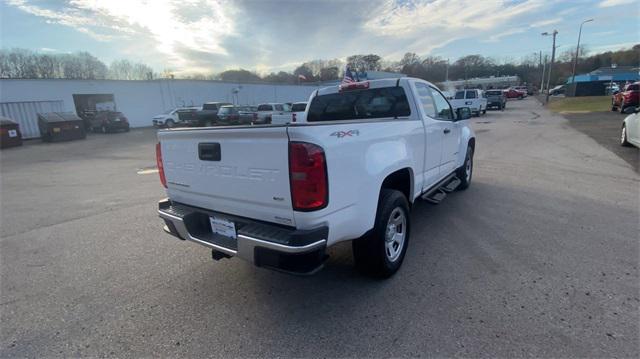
(513, 93)
(630, 97)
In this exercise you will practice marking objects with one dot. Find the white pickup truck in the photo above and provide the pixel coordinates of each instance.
(280, 195)
(475, 99)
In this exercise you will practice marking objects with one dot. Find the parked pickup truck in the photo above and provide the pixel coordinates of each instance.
(279, 195)
(207, 116)
(473, 98)
(296, 114)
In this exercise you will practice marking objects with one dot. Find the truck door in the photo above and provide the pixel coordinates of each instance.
(450, 133)
(433, 135)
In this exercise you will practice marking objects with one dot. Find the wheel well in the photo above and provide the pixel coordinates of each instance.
(400, 180)
(472, 142)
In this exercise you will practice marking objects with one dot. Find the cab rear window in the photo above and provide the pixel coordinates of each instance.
(360, 104)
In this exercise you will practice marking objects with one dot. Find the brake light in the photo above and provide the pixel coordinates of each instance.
(293, 117)
(308, 176)
(354, 86)
(163, 179)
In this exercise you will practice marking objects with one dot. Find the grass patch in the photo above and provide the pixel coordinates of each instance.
(580, 104)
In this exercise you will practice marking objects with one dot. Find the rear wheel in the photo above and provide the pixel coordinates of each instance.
(381, 252)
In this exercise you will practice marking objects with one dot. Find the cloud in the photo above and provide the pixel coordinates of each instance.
(610, 3)
(545, 22)
(193, 26)
(434, 24)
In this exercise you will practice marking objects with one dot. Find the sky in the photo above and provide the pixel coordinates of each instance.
(207, 36)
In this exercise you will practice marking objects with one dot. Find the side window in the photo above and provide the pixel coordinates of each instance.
(459, 95)
(471, 94)
(424, 94)
(443, 109)
(279, 108)
(264, 108)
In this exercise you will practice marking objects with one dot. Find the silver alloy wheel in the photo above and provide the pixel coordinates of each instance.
(169, 123)
(623, 137)
(395, 234)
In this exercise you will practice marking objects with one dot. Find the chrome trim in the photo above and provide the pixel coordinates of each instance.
(246, 244)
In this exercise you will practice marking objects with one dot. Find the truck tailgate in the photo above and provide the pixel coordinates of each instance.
(242, 171)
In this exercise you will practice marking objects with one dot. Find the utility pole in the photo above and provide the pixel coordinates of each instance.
(446, 73)
(544, 68)
(553, 57)
(575, 62)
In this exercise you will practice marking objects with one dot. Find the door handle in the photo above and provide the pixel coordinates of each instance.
(446, 130)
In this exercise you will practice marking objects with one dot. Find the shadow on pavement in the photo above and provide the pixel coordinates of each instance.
(604, 128)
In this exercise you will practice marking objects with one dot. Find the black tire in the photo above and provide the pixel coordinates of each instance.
(613, 105)
(464, 176)
(520, 97)
(623, 136)
(484, 112)
(370, 252)
(208, 123)
(169, 123)
(621, 107)
(504, 105)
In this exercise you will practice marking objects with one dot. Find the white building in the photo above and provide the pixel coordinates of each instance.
(21, 99)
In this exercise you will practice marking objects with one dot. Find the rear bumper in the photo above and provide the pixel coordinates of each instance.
(266, 245)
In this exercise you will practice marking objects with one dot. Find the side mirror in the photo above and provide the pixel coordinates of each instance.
(463, 113)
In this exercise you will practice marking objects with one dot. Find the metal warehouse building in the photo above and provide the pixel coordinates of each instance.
(595, 82)
(21, 100)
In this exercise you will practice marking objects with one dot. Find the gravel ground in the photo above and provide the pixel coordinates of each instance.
(539, 257)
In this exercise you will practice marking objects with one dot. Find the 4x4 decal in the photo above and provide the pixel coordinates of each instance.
(350, 133)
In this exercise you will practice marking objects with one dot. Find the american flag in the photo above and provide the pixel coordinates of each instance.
(348, 78)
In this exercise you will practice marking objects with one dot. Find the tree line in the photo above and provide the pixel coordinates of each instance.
(20, 63)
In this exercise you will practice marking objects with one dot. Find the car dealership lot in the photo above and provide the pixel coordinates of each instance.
(539, 257)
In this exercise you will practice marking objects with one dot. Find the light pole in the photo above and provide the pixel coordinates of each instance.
(575, 62)
(553, 57)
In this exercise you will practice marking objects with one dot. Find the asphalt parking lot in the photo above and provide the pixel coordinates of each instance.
(539, 257)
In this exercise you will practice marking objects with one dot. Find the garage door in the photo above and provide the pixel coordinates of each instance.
(25, 114)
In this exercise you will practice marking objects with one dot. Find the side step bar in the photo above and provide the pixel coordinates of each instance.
(438, 192)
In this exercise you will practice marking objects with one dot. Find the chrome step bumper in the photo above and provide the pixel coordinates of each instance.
(264, 244)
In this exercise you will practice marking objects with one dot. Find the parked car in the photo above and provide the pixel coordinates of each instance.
(296, 114)
(207, 115)
(524, 89)
(629, 97)
(109, 121)
(496, 99)
(237, 115)
(558, 90)
(174, 117)
(630, 132)
(513, 93)
(368, 150)
(474, 99)
(267, 110)
(611, 89)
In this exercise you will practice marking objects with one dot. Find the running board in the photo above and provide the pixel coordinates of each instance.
(436, 194)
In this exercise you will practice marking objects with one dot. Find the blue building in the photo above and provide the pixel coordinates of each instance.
(595, 82)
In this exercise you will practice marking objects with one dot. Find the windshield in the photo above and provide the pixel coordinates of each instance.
(494, 93)
(360, 104)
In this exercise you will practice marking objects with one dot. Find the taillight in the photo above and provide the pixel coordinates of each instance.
(293, 117)
(308, 176)
(163, 179)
